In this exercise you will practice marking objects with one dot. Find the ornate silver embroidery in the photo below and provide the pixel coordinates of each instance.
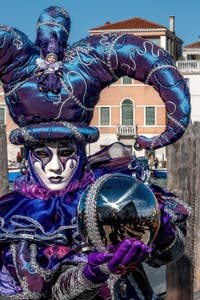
(111, 283)
(135, 285)
(17, 41)
(104, 268)
(171, 211)
(111, 48)
(158, 68)
(28, 230)
(26, 294)
(75, 131)
(15, 87)
(27, 136)
(76, 100)
(90, 213)
(52, 24)
(178, 236)
(176, 122)
(73, 284)
(155, 138)
(46, 274)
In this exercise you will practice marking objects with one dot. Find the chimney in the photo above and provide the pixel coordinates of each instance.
(172, 24)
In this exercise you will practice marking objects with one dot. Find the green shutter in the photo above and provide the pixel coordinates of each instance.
(104, 115)
(150, 115)
(2, 115)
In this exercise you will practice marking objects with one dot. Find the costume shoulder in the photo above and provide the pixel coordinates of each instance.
(24, 217)
(111, 159)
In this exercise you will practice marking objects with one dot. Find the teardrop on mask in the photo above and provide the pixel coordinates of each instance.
(71, 164)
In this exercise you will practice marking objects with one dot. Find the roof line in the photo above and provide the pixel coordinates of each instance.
(128, 20)
(128, 29)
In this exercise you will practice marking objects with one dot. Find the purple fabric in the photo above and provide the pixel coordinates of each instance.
(171, 203)
(53, 38)
(49, 82)
(54, 131)
(23, 259)
(28, 187)
(8, 285)
(122, 257)
(52, 46)
(166, 231)
(92, 270)
(129, 251)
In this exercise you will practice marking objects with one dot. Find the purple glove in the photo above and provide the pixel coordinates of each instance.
(92, 270)
(123, 256)
(166, 232)
(127, 254)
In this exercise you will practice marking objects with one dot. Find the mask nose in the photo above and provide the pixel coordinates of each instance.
(56, 165)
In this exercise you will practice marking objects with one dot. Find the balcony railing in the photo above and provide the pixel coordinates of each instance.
(188, 65)
(126, 130)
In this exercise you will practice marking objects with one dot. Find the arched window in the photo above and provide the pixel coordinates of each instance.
(127, 112)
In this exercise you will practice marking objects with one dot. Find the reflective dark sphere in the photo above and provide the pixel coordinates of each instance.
(115, 207)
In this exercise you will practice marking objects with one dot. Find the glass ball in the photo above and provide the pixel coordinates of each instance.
(115, 207)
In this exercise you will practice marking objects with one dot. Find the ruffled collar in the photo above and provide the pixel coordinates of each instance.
(28, 187)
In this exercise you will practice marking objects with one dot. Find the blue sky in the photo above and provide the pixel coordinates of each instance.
(87, 14)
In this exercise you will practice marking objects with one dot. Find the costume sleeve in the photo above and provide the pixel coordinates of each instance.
(71, 284)
(171, 252)
(172, 245)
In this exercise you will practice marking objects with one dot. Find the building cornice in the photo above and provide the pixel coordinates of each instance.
(128, 30)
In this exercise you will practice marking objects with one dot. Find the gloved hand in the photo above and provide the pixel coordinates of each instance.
(166, 232)
(128, 253)
(123, 256)
(92, 270)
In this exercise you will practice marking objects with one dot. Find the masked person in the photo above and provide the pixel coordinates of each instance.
(43, 254)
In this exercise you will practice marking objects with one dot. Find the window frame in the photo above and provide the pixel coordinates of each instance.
(127, 78)
(145, 115)
(4, 115)
(100, 116)
(133, 112)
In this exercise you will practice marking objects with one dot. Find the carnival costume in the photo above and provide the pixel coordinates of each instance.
(43, 252)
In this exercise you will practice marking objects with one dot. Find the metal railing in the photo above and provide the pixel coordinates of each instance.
(126, 130)
(188, 65)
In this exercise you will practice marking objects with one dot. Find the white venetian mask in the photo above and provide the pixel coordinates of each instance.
(54, 164)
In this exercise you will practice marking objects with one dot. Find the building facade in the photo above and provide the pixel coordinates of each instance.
(5, 119)
(189, 66)
(128, 107)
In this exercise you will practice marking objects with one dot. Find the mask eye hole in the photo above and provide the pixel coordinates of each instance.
(65, 152)
(41, 153)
